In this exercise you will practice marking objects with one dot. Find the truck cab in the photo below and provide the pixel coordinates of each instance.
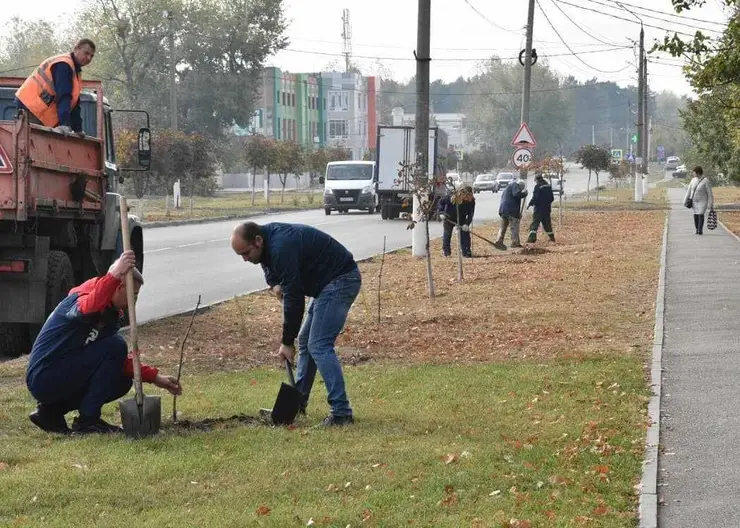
(59, 213)
(350, 185)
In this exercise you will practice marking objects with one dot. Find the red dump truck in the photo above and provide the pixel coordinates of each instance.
(59, 215)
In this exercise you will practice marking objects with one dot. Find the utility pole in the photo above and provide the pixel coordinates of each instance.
(173, 70)
(418, 240)
(640, 117)
(627, 144)
(611, 137)
(526, 90)
(645, 118)
(346, 39)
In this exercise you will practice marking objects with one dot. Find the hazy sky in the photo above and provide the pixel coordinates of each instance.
(384, 35)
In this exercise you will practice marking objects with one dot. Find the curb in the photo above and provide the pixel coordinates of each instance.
(205, 307)
(648, 511)
(213, 219)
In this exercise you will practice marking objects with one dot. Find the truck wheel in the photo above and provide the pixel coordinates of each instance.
(327, 211)
(383, 212)
(14, 340)
(371, 209)
(60, 278)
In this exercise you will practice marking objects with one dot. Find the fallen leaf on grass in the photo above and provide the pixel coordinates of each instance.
(557, 480)
(550, 515)
(450, 498)
(3, 466)
(367, 515)
(601, 510)
(332, 487)
(450, 458)
(310, 522)
(516, 523)
(263, 510)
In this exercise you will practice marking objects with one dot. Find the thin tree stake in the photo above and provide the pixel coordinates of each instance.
(380, 277)
(182, 356)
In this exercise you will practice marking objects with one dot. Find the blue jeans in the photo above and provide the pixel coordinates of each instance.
(84, 379)
(325, 318)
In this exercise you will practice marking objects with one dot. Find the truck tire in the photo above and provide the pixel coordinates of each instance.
(14, 340)
(383, 212)
(60, 278)
(327, 211)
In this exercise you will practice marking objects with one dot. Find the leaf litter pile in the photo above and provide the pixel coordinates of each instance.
(591, 293)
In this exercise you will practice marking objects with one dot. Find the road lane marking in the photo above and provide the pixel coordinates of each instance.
(157, 250)
(191, 244)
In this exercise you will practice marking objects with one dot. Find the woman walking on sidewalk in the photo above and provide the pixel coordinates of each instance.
(699, 198)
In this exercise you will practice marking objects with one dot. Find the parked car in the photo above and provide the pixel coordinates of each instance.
(503, 179)
(672, 162)
(484, 182)
(680, 171)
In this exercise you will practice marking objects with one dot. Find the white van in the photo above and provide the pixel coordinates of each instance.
(350, 185)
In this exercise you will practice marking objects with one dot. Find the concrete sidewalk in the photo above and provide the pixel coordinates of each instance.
(699, 477)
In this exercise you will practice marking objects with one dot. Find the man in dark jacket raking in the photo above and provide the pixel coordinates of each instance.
(300, 261)
(79, 361)
(542, 199)
(448, 214)
(510, 211)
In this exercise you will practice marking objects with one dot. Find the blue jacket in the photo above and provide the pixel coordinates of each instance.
(449, 209)
(84, 317)
(542, 198)
(62, 76)
(511, 200)
(303, 261)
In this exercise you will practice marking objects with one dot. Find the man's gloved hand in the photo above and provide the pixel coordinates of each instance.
(465, 227)
(63, 129)
(123, 265)
(442, 216)
(277, 291)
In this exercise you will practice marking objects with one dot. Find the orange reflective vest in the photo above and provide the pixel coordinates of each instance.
(37, 93)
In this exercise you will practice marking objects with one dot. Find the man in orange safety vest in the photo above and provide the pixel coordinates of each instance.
(51, 94)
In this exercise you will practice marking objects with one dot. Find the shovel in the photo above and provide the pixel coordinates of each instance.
(288, 402)
(140, 416)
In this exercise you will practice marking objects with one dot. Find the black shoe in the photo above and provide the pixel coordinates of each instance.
(500, 245)
(94, 425)
(517, 246)
(337, 421)
(49, 420)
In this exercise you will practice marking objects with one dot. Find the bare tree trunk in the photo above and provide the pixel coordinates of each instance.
(254, 177)
(459, 248)
(283, 181)
(430, 276)
(192, 190)
(167, 202)
(588, 187)
(597, 186)
(267, 176)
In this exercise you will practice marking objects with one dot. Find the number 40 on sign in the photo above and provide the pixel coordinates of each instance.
(522, 157)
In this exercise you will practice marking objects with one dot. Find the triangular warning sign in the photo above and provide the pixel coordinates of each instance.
(524, 137)
(5, 166)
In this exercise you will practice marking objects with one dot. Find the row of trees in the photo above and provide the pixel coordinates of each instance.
(711, 120)
(284, 158)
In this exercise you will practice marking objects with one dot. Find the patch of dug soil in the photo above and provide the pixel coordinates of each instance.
(210, 424)
(591, 292)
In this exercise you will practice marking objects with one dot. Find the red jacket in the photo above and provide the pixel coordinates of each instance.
(84, 316)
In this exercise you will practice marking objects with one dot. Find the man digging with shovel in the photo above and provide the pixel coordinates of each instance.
(300, 261)
(79, 361)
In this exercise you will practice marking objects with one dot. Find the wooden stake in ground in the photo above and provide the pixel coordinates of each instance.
(380, 277)
(182, 356)
(459, 246)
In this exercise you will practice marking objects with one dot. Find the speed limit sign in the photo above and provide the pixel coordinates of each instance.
(522, 157)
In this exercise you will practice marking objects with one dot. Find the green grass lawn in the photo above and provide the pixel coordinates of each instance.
(557, 443)
(621, 198)
(225, 204)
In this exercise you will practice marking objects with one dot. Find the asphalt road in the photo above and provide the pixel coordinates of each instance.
(182, 262)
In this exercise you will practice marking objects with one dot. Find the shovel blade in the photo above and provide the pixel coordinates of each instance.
(146, 424)
(287, 405)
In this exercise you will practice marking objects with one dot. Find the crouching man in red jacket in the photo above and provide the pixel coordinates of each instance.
(80, 362)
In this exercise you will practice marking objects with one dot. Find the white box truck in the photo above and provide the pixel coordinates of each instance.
(396, 146)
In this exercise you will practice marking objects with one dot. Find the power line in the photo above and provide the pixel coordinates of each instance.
(610, 15)
(581, 28)
(619, 2)
(459, 59)
(571, 51)
(484, 17)
(597, 2)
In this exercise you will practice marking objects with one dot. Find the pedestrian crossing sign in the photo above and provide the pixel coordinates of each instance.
(617, 154)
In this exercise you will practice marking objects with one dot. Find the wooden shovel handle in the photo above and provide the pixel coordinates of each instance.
(131, 299)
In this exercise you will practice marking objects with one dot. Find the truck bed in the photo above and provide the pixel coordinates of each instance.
(44, 173)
